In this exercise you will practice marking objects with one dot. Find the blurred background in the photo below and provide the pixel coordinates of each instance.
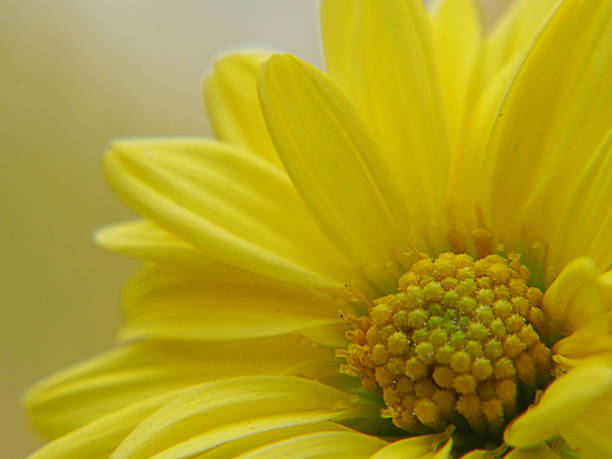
(75, 74)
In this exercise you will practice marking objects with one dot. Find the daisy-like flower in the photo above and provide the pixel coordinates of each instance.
(408, 256)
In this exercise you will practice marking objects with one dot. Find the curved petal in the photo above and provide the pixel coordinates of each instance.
(500, 56)
(574, 298)
(133, 372)
(606, 281)
(565, 401)
(232, 104)
(322, 444)
(537, 452)
(457, 38)
(329, 157)
(586, 225)
(467, 159)
(476, 454)
(146, 241)
(382, 53)
(222, 411)
(243, 445)
(232, 206)
(589, 433)
(218, 303)
(442, 453)
(421, 447)
(513, 34)
(99, 438)
(594, 338)
(555, 116)
(591, 341)
(332, 335)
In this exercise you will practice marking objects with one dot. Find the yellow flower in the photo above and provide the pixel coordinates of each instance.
(407, 258)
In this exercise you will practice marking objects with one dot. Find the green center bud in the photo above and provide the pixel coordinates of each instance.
(459, 343)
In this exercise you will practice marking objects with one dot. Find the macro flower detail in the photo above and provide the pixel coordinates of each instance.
(409, 256)
(459, 342)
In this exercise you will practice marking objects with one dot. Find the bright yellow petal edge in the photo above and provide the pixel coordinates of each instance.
(466, 170)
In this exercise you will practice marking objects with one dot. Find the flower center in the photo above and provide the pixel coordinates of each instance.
(459, 343)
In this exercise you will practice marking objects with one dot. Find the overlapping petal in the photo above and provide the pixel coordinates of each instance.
(591, 341)
(146, 241)
(565, 403)
(586, 224)
(419, 447)
(589, 432)
(137, 371)
(330, 158)
(574, 298)
(537, 452)
(99, 438)
(231, 205)
(512, 36)
(217, 303)
(457, 39)
(550, 127)
(243, 445)
(499, 57)
(321, 444)
(222, 411)
(382, 53)
(232, 104)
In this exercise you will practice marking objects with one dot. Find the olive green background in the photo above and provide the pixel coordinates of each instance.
(73, 75)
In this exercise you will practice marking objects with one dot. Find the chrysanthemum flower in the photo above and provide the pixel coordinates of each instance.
(406, 257)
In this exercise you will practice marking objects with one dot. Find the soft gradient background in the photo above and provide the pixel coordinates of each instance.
(74, 74)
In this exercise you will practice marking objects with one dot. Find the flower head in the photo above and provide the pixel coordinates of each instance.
(409, 256)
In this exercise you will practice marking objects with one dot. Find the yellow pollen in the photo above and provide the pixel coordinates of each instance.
(460, 342)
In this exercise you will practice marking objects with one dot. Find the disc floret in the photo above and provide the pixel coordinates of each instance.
(461, 342)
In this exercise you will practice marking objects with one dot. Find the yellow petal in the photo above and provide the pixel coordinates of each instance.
(563, 401)
(325, 369)
(537, 452)
(586, 225)
(575, 297)
(232, 206)
(243, 445)
(589, 432)
(512, 35)
(382, 53)
(552, 121)
(592, 340)
(323, 444)
(146, 241)
(500, 56)
(442, 453)
(467, 159)
(216, 303)
(329, 157)
(476, 454)
(222, 411)
(457, 37)
(130, 373)
(423, 446)
(232, 104)
(606, 281)
(99, 438)
(332, 335)
(486, 453)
